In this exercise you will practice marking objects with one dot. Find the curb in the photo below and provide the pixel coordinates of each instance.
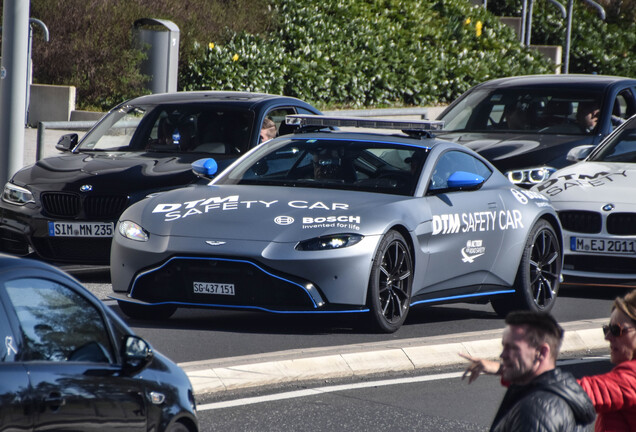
(359, 360)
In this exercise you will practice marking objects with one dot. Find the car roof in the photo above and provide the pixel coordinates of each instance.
(11, 262)
(566, 80)
(246, 98)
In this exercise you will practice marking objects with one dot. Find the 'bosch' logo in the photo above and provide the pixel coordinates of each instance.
(284, 220)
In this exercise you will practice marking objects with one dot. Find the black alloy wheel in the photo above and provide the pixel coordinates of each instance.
(538, 277)
(390, 283)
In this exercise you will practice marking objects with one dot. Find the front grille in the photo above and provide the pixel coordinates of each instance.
(70, 205)
(621, 223)
(253, 285)
(600, 264)
(108, 207)
(76, 250)
(61, 204)
(581, 221)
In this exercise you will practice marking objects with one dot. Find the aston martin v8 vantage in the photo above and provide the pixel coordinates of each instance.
(341, 222)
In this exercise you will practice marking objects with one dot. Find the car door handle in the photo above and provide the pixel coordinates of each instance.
(54, 401)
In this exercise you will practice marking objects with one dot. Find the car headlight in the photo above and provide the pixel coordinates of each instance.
(336, 241)
(16, 195)
(132, 231)
(530, 176)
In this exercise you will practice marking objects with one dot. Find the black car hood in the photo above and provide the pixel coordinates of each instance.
(110, 172)
(509, 151)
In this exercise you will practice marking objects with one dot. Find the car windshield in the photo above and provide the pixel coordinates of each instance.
(528, 110)
(191, 128)
(620, 147)
(348, 164)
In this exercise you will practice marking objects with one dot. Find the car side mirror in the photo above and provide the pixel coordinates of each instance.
(462, 180)
(136, 353)
(205, 167)
(67, 142)
(579, 153)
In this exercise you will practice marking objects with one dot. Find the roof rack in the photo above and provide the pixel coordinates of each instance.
(417, 128)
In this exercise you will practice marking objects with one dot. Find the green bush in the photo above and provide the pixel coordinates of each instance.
(333, 53)
(356, 53)
(603, 47)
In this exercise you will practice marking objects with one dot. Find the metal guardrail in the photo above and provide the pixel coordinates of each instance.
(86, 125)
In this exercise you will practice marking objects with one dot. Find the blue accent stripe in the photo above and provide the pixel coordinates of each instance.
(441, 299)
(226, 260)
(222, 306)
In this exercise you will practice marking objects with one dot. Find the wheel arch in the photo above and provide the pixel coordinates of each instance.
(407, 237)
(556, 225)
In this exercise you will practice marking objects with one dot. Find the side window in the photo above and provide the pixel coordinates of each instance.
(278, 117)
(57, 324)
(624, 107)
(453, 161)
(9, 348)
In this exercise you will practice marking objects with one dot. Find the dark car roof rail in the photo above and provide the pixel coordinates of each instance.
(413, 128)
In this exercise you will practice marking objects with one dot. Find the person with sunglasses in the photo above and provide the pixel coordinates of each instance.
(614, 393)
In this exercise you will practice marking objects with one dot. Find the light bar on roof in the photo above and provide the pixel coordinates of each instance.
(404, 125)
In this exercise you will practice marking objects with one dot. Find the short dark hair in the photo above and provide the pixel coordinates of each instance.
(540, 327)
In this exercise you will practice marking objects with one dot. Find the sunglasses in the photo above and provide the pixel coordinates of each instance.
(615, 330)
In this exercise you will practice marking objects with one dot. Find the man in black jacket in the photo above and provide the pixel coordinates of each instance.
(540, 397)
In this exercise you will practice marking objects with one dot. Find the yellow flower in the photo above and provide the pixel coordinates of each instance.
(467, 21)
(211, 45)
(235, 57)
(478, 26)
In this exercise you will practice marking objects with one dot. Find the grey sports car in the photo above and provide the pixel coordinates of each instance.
(341, 222)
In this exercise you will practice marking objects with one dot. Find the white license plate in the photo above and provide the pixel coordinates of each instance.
(602, 246)
(213, 288)
(80, 229)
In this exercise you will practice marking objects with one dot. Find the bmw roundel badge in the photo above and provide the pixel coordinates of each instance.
(608, 207)
(86, 188)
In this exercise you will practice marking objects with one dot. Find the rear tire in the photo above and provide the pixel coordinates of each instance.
(142, 312)
(390, 283)
(538, 277)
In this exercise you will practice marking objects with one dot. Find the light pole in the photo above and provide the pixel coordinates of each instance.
(13, 86)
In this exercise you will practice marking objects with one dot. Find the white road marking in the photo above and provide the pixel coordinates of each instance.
(336, 388)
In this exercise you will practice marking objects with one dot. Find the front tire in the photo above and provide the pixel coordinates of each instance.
(390, 283)
(143, 312)
(538, 277)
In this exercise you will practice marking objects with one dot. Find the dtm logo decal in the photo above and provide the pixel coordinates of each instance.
(473, 249)
(477, 222)
(554, 186)
(174, 211)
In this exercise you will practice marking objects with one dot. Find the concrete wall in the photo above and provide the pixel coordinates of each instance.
(50, 103)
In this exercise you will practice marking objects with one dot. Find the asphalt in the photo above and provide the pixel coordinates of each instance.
(362, 360)
(216, 376)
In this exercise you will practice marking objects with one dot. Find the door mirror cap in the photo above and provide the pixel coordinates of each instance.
(67, 142)
(136, 353)
(462, 180)
(579, 153)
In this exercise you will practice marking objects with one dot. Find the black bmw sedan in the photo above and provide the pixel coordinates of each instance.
(67, 362)
(63, 209)
(526, 125)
